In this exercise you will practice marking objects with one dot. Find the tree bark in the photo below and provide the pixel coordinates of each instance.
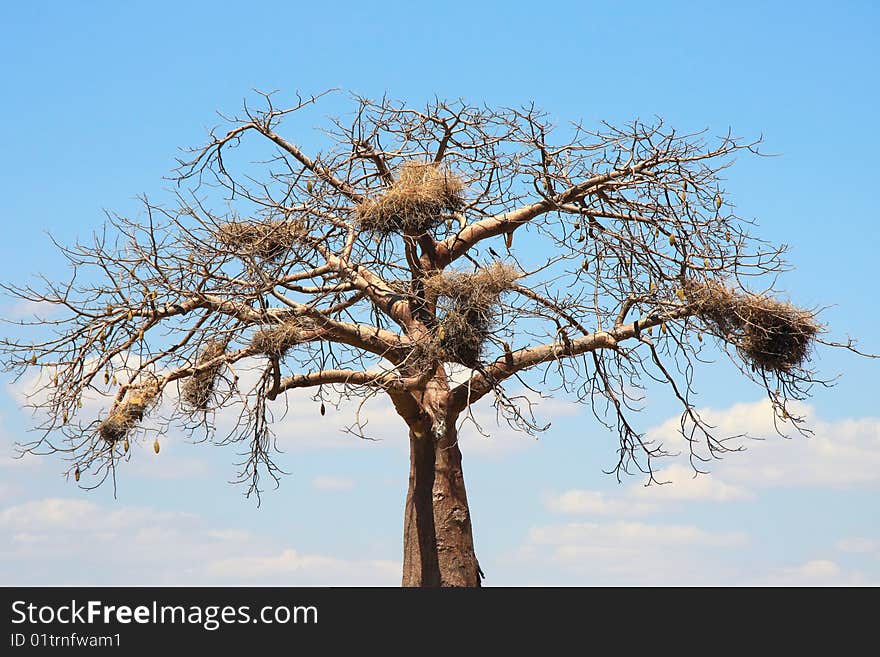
(420, 567)
(438, 539)
(452, 516)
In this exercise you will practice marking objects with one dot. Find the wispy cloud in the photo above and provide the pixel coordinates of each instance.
(71, 541)
(305, 569)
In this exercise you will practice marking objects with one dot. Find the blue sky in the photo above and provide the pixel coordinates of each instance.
(99, 97)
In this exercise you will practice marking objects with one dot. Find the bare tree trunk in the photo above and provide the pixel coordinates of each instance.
(452, 516)
(438, 541)
(420, 567)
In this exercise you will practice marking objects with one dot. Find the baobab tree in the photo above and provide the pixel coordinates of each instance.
(435, 255)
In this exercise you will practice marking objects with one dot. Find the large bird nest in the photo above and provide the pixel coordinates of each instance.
(268, 240)
(415, 202)
(773, 335)
(198, 388)
(277, 339)
(469, 303)
(125, 415)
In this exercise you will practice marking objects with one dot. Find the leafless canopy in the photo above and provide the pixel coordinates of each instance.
(416, 238)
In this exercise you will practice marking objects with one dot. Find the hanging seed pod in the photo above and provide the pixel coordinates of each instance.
(577, 225)
(652, 287)
(156, 446)
(581, 237)
(680, 294)
(718, 201)
(34, 359)
(586, 265)
(64, 417)
(706, 262)
(650, 330)
(657, 232)
(309, 186)
(140, 334)
(55, 380)
(671, 239)
(699, 337)
(106, 378)
(508, 240)
(125, 446)
(323, 409)
(114, 381)
(79, 403)
(109, 309)
(76, 474)
(130, 315)
(663, 328)
(683, 196)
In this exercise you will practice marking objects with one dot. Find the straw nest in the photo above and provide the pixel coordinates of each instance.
(469, 303)
(277, 339)
(771, 334)
(268, 240)
(414, 203)
(198, 388)
(125, 415)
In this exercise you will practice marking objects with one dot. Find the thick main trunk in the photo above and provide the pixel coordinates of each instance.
(420, 567)
(438, 540)
(452, 517)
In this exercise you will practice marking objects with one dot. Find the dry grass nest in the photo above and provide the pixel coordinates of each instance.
(125, 415)
(277, 339)
(773, 335)
(268, 240)
(414, 203)
(198, 388)
(469, 303)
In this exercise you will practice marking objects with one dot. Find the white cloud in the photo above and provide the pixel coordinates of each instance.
(64, 541)
(304, 569)
(26, 309)
(817, 572)
(840, 453)
(591, 502)
(80, 515)
(685, 484)
(682, 485)
(623, 534)
(624, 553)
(331, 483)
(857, 545)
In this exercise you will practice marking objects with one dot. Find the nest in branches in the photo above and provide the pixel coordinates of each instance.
(196, 392)
(268, 240)
(126, 414)
(469, 302)
(414, 203)
(773, 335)
(277, 339)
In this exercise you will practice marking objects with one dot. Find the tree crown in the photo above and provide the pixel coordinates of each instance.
(418, 239)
